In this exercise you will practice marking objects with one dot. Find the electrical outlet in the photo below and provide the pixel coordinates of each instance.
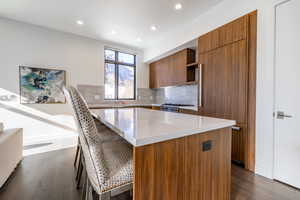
(207, 145)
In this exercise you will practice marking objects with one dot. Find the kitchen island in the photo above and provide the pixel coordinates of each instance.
(176, 156)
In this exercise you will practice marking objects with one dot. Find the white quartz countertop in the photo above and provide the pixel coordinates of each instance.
(95, 106)
(114, 105)
(141, 126)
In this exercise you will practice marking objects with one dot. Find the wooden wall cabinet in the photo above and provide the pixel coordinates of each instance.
(229, 33)
(209, 41)
(153, 72)
(172, 70)
(234, 31)
(228, 58)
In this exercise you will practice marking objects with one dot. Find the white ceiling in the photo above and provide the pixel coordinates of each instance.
(131, 19)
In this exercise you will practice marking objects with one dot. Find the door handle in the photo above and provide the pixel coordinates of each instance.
(282, 115)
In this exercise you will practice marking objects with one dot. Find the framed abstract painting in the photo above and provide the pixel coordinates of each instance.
(41, 86)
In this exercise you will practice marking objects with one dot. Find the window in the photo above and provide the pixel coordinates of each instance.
(120, 75)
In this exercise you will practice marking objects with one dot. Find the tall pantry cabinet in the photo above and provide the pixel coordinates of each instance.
(228, 59)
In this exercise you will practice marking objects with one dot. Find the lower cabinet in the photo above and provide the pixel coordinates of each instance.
(196, 167)
(239, 135)
(228, 81)
(188, 111)
(238, 144)
(155, 107)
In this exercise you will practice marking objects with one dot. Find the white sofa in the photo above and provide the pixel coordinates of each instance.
(11, 152)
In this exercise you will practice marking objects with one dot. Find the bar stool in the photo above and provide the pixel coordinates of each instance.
(107, 163)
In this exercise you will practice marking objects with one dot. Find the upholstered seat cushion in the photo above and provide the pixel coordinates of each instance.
(117, 158)
(106, 134)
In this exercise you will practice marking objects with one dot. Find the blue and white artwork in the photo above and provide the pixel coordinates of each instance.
(41, 86)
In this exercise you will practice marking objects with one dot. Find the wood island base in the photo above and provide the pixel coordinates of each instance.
(196, 167)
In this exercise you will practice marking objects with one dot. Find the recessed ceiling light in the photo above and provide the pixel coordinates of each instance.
(139, 39)
(80, 22)
(113, 32)
(178, 6)
(153, 28)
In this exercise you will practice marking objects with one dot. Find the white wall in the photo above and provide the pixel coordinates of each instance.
(221, 14)
(28, 45)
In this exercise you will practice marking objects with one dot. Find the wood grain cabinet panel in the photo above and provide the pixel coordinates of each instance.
(162, 70)
(183, 169)
(238, 144)
(153, 71)
(229, 81)
(209, 41)
(179, 67)
(171, 70)
(159, 163)
(229, 33)
(251, 125)
(188, 111)
(206, 167)
(224, 84)
(234, 31)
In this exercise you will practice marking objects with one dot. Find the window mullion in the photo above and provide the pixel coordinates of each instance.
(117, 75)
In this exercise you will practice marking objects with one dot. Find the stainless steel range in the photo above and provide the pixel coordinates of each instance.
(170, 107)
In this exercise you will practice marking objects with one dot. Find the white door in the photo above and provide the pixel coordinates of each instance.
(287, 93)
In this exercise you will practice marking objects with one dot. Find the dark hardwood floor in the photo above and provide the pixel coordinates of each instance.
(50, 176)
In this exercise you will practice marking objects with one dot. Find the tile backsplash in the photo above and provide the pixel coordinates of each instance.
(178, 95)
(181, 94)
(95, 95)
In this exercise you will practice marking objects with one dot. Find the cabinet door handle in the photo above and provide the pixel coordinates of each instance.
(200, 85)
(236, 128)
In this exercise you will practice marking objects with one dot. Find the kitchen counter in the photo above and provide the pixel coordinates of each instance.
(105, 106)
(183, 151)
(116, 105)
(141, 126)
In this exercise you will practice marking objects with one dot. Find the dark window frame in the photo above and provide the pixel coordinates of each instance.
(117, 63)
